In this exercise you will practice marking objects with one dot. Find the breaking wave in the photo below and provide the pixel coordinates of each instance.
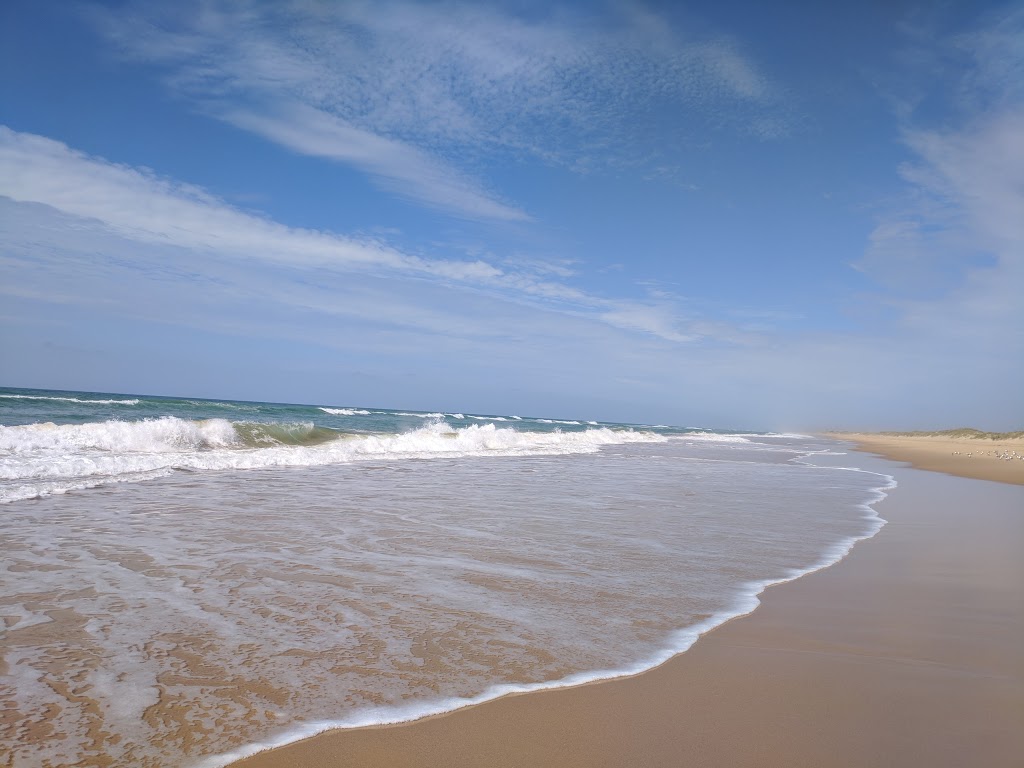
(41, 459)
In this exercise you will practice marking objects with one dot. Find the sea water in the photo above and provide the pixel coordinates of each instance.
(184, 582)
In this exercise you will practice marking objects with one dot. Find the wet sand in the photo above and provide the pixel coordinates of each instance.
(979, 458)
(909, 652)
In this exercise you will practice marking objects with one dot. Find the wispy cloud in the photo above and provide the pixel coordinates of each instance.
(656, 319)
(958, 225)
(950, 250)
(138, 206)
(142, 206)
(415, 94)
(400, 167)
(967, 218)
(996, 81)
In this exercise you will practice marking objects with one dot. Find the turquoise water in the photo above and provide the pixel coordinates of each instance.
(28, 406)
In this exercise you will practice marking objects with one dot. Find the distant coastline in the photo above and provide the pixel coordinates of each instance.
(964, 452)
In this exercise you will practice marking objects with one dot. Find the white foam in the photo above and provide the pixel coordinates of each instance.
(37, 488)
(149, 436)
(218, 404)
(712, 437)
(133, 401)
(42, 459)
(345, 411)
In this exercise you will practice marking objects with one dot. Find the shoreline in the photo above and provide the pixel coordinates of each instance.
(974, 457)
(583, 725)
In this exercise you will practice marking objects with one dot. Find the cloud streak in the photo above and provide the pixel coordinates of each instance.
(415, 94)
(142, 206)
(950, 250)
(398, 167)
(137, 205)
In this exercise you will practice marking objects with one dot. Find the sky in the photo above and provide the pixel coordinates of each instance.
(790, 215)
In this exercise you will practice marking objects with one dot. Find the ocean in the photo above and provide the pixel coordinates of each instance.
(187, 581)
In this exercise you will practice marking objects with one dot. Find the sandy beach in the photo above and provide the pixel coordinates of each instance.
(981, 458)
(909, 652)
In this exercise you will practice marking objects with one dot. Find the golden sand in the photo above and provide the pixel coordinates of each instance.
(983, 458)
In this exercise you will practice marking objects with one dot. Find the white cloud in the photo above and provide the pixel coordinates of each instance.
(954, 242)
(997, 49)
(971, 216)
(141, 206)
(653, 319)
(978, 171)
(400, 167)
(734, 72)
(411, 93)
(951, 250)
(137, 206)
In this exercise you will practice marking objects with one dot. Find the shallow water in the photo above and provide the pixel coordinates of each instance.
(177, 620)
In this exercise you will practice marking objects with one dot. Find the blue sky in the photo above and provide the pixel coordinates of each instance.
(790, 215)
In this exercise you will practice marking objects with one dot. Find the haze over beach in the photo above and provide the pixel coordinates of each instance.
(362, 363)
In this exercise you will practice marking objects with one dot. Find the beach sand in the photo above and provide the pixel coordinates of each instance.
(961, 456)
(909, 652)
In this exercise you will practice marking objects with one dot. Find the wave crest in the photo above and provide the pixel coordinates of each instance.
(130, 401)
(162, 435)
(40, 459)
